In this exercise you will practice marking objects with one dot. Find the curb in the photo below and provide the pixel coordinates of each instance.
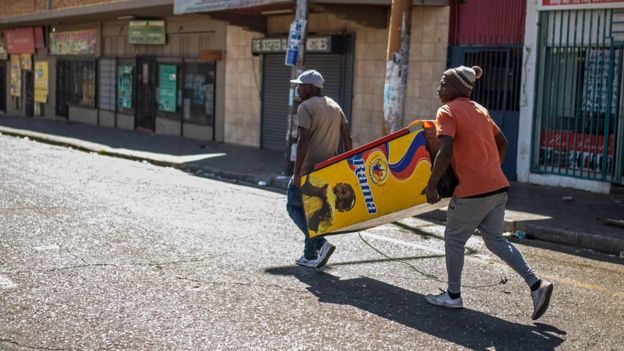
(580, 240)
(213, 173)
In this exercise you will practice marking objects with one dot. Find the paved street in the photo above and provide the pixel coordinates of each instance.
(105, 253)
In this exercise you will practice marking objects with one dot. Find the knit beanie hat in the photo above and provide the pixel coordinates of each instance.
(463, 78)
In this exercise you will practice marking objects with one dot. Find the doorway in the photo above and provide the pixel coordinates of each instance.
(62, 72)
(29, 93)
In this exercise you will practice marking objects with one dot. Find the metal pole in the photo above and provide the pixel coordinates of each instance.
(397, 58)
(296, 36)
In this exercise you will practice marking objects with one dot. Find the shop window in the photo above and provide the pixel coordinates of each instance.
(198, 94)
(125, 86)
(81, 83)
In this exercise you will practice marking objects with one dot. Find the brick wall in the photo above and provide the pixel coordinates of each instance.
(242, 88)
(428, 53)
(20, 7)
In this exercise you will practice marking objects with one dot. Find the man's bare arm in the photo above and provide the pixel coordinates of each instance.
(346, 137)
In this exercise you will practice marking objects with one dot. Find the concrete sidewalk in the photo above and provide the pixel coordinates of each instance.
(572, 217)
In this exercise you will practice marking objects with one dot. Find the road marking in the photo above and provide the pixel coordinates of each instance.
(47, 247)
(6, 283)
(578, 284)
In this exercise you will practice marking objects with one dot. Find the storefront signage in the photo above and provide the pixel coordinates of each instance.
(20, 41)
(189, 6)
(124, 86)
(82, 42)
(578, 4)
(16, 76)
(279, 45)
(168, 82)
(147, 33)
(41, 81)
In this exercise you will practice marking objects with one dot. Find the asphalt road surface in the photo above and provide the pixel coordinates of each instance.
(104, 253)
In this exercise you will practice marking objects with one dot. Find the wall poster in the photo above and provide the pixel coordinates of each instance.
(125, 79)
(167, 75)
(16, 76)
(41, 81)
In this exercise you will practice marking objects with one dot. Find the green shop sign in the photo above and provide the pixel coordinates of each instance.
(147, 32)
(167, 88)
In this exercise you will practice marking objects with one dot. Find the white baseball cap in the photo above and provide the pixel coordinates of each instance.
(310, 77)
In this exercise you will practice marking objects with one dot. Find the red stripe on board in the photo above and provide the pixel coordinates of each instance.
(362, 148)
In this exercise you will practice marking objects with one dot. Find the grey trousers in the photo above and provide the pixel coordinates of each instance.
(487, 214)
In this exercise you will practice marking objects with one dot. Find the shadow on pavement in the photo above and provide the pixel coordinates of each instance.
(467, 328)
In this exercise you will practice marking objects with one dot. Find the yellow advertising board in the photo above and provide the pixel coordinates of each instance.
(41, 81)
(26, 60)
(377, 183)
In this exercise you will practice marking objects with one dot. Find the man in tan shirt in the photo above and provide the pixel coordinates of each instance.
(321, 123)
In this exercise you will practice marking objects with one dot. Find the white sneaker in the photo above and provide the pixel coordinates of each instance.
(324, 253)
(541, 299)
(445, 300)
(302, 261)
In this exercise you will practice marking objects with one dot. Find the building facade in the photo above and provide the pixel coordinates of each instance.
(131, 65)
(208, 75)
(571, 114)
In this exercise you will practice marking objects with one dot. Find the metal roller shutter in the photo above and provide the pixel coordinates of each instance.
(275, 87)
(337, 70)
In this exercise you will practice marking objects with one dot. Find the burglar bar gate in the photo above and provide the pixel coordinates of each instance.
(577, 115)
(498, 90)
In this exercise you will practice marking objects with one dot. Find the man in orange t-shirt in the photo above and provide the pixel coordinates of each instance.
(475, 147)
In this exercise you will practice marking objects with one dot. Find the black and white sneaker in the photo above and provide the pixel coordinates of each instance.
(324, 253)
(541, 299)
(302, 261)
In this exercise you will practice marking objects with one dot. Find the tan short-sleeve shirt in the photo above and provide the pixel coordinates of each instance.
(322, 117)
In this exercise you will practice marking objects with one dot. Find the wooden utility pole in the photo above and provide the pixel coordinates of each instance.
(397, 58)
(294, 58)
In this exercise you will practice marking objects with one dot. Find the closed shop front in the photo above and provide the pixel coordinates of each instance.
(335, 64)
(163, 82)
(490, 34)
(578, 113)
(20, 45)
(76, 73)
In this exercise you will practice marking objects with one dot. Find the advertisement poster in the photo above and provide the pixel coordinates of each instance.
(598, 83)
(3, 51)
(83, 42)
(124, 86)
(26, 61)
(297, 28)
(41, 81)
(16, 76)
(168, 86)
(371, 185)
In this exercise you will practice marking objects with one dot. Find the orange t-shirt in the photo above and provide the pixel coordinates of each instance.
(475, 156)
